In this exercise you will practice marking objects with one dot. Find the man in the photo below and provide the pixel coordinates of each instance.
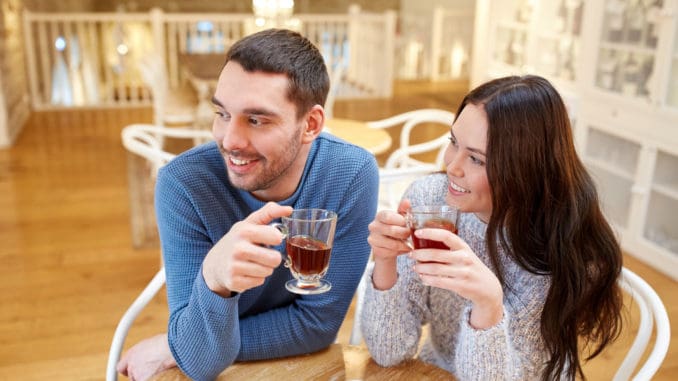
(214, 204)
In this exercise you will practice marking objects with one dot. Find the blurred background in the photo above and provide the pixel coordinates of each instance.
(77, 233)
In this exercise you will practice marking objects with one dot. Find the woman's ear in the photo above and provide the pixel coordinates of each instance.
(315, 121)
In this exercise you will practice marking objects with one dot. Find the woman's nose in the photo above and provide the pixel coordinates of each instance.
(454, 165)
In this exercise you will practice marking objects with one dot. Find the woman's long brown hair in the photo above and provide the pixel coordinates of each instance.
(546, 215)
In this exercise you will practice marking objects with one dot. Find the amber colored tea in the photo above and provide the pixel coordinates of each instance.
(435, 223)
(308, 256)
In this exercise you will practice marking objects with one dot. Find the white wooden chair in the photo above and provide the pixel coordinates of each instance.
(144, 140)
(652, 315)
(402, 167)
(171, 106)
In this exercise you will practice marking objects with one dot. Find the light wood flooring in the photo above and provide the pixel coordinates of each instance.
(67, 266)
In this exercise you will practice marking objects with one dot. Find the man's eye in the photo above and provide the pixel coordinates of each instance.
(257, 121)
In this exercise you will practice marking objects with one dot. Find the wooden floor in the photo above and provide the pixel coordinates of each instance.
(68, 269)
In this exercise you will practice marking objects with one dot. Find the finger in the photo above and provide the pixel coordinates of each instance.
(389, 217)
(243, 283)
(450, 239)
(268, 213)
(440, 281)
(389, 244)
(247, 252)
(404, 206)
(390, 231)
(121, 367)
(449, 257)
(259, 234)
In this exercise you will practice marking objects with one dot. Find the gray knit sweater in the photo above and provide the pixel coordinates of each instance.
(392, 320)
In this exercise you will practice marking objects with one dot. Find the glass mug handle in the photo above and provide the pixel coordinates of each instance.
(409, 222)
(285, 232)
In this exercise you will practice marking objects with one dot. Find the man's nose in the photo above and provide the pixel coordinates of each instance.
(233, 135)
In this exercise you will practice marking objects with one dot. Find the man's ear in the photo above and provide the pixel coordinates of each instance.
(315, 121)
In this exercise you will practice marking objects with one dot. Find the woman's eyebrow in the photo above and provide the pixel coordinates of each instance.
(474, 150)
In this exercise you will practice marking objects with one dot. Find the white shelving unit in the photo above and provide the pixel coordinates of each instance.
(616, 64)
(628, 121)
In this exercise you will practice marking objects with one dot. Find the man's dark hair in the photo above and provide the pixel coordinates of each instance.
(287, 52)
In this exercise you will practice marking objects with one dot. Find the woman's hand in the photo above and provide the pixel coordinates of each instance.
(388, 238)
(460, 270)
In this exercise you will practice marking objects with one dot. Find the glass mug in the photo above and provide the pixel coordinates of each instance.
(432, 216)
(309, 235)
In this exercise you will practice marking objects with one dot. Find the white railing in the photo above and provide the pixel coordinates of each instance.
(90, 59)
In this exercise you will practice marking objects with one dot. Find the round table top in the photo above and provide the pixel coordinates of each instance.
(338, 362)
(375, 140)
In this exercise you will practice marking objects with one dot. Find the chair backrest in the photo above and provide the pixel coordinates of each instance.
(652, 314)
(401, 167)
(145, 140)
(402, 157)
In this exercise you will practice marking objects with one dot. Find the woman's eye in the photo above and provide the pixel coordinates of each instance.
(476, 161)
(453, 140)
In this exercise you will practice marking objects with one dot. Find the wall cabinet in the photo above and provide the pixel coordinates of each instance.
(616, 64)
(528, 36)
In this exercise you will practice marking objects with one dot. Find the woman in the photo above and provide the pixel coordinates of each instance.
(534, 266)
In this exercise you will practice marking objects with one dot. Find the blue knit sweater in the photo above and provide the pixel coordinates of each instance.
(196, 206)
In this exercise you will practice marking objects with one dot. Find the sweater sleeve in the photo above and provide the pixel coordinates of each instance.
(203, 328)
(391, 320)
(511, 350)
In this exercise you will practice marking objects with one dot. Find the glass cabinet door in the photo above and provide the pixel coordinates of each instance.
(672, 95)
(612, 162)
(558, 31)
(626, 57)
(660, 225)
(511, 33)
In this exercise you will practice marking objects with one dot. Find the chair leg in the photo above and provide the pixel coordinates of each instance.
(126, 321)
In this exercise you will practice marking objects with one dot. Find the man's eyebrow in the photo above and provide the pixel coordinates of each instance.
(474, 150)
(250, 111)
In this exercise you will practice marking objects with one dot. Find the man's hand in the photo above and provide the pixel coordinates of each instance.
(147, 358)
(241, 259)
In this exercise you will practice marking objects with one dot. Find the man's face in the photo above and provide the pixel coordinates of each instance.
(258, 133)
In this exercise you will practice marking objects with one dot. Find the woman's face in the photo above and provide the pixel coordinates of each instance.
(465, 160)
